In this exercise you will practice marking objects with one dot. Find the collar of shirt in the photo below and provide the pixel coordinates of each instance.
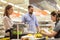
(31, 16)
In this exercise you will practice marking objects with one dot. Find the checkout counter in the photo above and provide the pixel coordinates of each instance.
(20, 32)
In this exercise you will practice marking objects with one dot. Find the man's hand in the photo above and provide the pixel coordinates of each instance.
(38, 29)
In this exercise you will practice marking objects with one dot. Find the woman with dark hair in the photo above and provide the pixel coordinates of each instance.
(55, 16)
(7, 20)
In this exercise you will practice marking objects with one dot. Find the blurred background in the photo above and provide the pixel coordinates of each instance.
(42, 8)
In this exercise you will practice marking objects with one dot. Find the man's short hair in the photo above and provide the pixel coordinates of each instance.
(30, 6)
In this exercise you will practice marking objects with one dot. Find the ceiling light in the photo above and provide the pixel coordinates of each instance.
(20, 7)
(47, 11)
(15, 11)
(17, 6)
(1, 12)
(58, 7)
(11, 4)
(14, 5)
(3, 1)
(1, 8)
(25, 9)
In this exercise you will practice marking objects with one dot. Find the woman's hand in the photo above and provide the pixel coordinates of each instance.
(42, 31)
(51, 34)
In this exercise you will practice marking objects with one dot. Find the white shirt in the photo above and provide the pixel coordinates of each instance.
(7, 22)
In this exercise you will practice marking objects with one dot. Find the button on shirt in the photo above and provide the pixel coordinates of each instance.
(31, 21)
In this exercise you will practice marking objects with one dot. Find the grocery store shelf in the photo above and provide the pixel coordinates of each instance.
(1, 36)
(45, 24)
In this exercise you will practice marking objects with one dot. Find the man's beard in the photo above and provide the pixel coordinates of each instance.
(31, 13)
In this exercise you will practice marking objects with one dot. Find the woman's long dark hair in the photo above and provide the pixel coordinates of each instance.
(54, 13)
(6, 12)
(58, 17)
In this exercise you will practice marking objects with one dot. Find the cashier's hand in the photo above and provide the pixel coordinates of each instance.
(42, 31)
(53, 33)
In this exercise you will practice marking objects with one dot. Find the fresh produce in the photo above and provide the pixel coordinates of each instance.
(46, 37)
(42, 31)
(38, 35)
(14, 32)
(29, 35)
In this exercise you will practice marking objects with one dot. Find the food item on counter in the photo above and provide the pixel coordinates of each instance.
(42, 31)
(5, 39)
(38, 35)
(47, 37)
(50, 29)
(20, 32)
(24, 39)
(14, 32)
(29, 35)
(27, 38)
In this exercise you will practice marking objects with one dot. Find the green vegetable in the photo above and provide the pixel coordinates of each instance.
(14, 32)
